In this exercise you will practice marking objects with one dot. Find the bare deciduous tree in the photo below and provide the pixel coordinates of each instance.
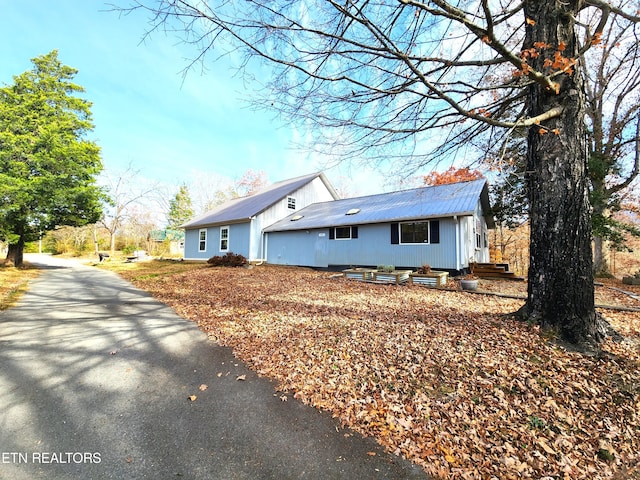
(612, 81)
(124, 192)
(394, 78)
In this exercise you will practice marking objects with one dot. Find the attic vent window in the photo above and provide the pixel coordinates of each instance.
(353, 211)
(295, 218)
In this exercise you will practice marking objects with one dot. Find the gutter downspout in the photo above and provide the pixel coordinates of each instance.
(455, 219)
(265, 244)
(262, 249)
(251, 219)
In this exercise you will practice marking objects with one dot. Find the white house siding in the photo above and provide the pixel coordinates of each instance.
(372, 247)
(465, 225)
(313, 192)
(482, 254)
(468, 252)
(255, 235)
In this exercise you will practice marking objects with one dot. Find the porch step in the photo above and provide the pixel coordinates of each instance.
(494, 271)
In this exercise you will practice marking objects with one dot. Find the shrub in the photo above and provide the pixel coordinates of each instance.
(228, 260)
(386, 268)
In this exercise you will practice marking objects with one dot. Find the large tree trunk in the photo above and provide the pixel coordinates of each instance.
(600, 262)
(16, 251)
(598, 215)
(560, 290)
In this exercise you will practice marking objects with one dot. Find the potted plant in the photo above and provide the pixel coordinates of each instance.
(469, 282)
(424, 269)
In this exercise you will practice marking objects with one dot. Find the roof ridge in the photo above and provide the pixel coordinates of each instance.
(407, 190)
(249, 205)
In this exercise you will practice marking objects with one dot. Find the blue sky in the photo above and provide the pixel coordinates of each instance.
(173, 129)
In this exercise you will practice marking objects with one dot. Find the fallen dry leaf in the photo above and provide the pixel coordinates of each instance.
(203, 387)
(192, 398)
(241, 377)
(545, 446)
(443, 378)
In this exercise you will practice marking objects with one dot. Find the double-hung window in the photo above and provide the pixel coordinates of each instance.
(202, 240)
(224, 239)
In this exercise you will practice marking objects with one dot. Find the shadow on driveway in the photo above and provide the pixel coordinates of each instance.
(95, 380)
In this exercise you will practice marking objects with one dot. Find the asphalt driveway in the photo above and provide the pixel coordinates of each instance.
(95, 383)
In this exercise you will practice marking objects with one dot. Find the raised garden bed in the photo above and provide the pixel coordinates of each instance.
(362, 274)
(396, 276)
(433, 279)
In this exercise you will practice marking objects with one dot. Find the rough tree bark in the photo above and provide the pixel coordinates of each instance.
(384, 74)
(15, 252)
(560, 289)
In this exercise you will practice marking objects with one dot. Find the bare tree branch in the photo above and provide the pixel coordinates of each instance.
(418, 81)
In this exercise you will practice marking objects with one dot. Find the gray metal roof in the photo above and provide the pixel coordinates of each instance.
(242, 209)
(419, 203)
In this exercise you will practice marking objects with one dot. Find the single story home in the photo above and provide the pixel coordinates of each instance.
(302, 222)
(238, 225)
(444, 226)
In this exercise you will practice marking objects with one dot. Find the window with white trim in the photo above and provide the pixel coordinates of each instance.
(202, 240)
(414, 232)
(224, 239)
(343, 233)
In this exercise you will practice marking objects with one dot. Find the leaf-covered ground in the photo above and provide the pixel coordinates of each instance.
(443, 378)
(13, 282)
